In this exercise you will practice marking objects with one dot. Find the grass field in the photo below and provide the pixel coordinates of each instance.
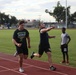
(6, 45)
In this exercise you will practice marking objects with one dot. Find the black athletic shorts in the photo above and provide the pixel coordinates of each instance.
(23, 50)
(43, 49)
(64, 48)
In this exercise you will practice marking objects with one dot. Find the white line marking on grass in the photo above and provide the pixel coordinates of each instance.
(35, 66)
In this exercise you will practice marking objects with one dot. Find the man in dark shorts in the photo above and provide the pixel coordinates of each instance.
(44, 45)
(65, 39)
(21, 40)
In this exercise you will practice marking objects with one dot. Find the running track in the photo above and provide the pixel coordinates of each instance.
(9, 66)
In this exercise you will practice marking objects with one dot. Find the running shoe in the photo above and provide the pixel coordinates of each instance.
(62, 62)
(52, 68)
(32, 55)
(21, 70)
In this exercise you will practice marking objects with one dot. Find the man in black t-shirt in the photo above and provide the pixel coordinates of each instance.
(21, 40)
(44, 45)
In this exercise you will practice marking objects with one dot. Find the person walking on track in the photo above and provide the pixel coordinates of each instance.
(21, 40)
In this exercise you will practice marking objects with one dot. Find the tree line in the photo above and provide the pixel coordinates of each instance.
(59, 13)
(5, 19)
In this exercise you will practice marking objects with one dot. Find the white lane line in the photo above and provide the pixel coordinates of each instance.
(12, 70)
(3, 70)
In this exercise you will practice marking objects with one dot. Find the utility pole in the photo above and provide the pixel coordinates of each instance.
(66, 15)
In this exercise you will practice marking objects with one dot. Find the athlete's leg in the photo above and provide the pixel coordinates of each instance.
(20, 54)
(39, 54)
(20, 59)
(67, 57)
(63, 53)
(35, 55)
(25, 56)
(50, 61)
(49, 58)
(21, 62)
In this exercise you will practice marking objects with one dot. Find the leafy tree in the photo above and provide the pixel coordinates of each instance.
(59, 12)
(13, 20)
(73, 17)
(7, 19)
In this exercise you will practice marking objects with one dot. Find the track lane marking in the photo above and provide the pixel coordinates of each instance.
(35, 66)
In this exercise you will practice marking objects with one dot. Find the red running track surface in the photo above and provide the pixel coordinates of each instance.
(9, 66)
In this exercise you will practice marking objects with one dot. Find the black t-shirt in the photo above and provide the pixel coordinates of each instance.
(20, 36)
(44, 41)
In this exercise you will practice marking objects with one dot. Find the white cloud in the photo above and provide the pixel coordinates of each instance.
(31, 9)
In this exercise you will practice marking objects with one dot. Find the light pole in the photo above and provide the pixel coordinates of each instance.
(66, 14)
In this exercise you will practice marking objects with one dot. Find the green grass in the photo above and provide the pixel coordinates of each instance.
(6, 45)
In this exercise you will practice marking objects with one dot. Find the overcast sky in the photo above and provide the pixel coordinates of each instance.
(33, 9)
